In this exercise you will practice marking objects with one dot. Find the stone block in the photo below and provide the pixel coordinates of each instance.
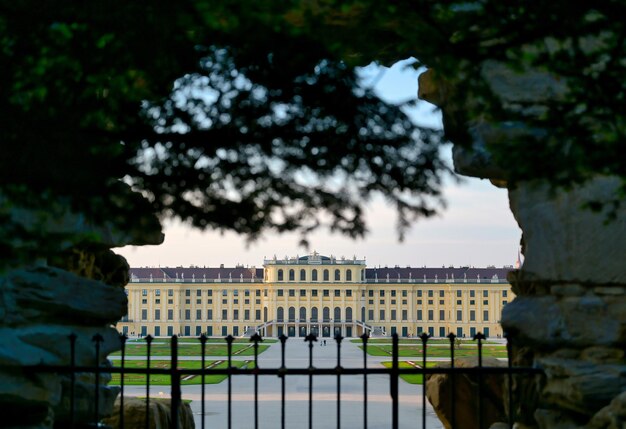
(439, 387)
(565, 242)
(160, 414)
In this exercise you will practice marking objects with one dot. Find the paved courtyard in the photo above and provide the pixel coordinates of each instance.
(296, 409)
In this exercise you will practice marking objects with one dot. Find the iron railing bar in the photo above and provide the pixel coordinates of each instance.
(510, 379)
(424, 337)
(310, 338)
(282, 339)
(364, 339)
(275, 371)
(256, 338)
(479, 337)
(338, 339)
(97, 339)
(123, 339)
(175, 381)
(148, 344)
(72, 378)
(203, 339)
(394, 375)
(229, 343)
(452, 383)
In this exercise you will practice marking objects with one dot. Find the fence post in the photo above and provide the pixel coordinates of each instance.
(175, 381)
(394, 381)
(97, 339)
(424, 337)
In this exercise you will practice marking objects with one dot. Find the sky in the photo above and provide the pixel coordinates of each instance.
(476, 229)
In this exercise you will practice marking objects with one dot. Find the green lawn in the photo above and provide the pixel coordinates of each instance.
(161, 348)
(410, 378)
(164, 380)
(436, 352)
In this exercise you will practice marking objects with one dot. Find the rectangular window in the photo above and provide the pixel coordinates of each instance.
(419, 302)
(209, 293)
(157, 301)
(257, 292)
(337, 293)
(224, 314)
(157, 292)
(459, 315)
(370, 293)
(485, 302)
(198, 292)
(504, 303)
(302, 292)
(144, 314)
(187, 292)
(382, 293)
(246, 301)
(314, 292)
(393, 302)
(431, 315)
(485, 294)
(459, 302)
(198, 314)
(246, 292)
(504, 293)
(472, 293)
(382, 302)
(265, 292)
(441, 294)
(441, 302)
(187, 301)
(472, 302)
(209, 314)
(157, 314)
(472, 315)
(458, 294)
(257, 301)
(224, 292)
(144, 301)
(382, 315)
(170, 314)
(405, 314)
(404, 293)
(246, 315)
(393, 314)
(371, 302)
(430, 302)
(419, 314)
(430, 293)
(326, 292)
(235, 292)
(349, 293)
(170, 292)
(198, 301)
(235, 314)
(279, 292)
(292, 292)
(225, 301)
(486, 315)
(209, 301)
(404, 301)
(393, 293)
(144, 292)
(187, 314)
(442, 315)
(257, 315)
(419, 293)
(370, 314)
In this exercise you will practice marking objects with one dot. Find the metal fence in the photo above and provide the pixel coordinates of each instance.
(393, 372)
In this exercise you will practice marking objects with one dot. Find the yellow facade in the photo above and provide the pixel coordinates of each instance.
(326, 296)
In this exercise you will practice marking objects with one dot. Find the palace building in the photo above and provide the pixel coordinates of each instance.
(316, 294)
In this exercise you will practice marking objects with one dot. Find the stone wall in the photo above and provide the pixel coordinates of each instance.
(569, 316)
(72, 284)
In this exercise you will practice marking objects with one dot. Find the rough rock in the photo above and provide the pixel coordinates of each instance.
(160, 414)
(580, 386)
(50, 295)
(438, 391)
(564, 241)
(550, 323)
(613, 416)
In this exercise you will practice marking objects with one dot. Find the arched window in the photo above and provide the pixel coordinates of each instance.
(302, 314)
(349, 314)
(280, 275)
(314, 275)
(326, 275)
(349, 275)
(337, 275)
(302, 275)
(265, 314)
(326, 314)
(292, 275)
(280, 314)
(292, 314)
(337, 315)
(362, 314)
(314, 314)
